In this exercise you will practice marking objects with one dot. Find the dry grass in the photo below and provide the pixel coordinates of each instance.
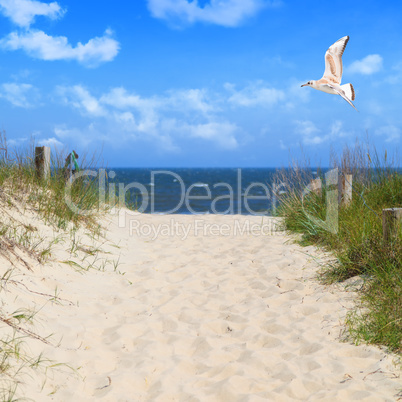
(358, 245)
(23, 195)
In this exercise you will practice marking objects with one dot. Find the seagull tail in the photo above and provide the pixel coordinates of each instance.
(349, 91)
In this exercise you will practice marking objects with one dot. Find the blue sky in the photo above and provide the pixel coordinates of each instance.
(210, 83)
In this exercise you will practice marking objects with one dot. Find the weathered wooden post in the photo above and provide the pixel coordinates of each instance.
(345, 193)
(42, 162)
(391, 222)
(316, 186)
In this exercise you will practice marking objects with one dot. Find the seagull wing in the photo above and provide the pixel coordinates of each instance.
(342, 93)
(333, 60)
(347, 99)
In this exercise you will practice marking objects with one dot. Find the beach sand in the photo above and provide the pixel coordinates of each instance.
(230, 311)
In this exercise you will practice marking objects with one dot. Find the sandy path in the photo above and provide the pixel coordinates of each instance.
(217, 316)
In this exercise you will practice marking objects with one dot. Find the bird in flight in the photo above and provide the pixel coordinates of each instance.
(331, 80)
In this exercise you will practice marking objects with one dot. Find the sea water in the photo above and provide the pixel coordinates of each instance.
(244, 191)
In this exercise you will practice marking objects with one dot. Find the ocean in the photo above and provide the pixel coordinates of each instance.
(245, 191)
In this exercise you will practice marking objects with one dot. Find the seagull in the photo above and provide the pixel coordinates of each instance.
(331, 80)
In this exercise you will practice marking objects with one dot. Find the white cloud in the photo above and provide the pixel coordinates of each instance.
(42, 46)
(17, 141)
(306, 127)
(51, 142)
(191, 100)
(81, 99)
(121, 99)
(369, 65)
(18, 94)
(184, 100)
(221, 132)
(179, 113)
(23, 12)
(390, 132)
(256, 94)
(309, 132)
(139, 114)
(184, 113)
(337, 130)
(229, 13)
(312, 135)
(93, 132)
(396, 76)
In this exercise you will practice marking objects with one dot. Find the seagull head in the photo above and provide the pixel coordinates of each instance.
(308, 84)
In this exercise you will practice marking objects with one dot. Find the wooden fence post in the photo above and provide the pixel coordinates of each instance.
(316, 186)
(345, 194)
(391, 222)
(42, 162)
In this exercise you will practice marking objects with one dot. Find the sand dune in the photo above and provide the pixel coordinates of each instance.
(228, 312)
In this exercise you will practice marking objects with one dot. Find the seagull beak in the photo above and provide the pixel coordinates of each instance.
(304, 85)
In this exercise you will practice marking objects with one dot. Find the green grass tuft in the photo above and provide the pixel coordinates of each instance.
(23, 194)
(358, 246)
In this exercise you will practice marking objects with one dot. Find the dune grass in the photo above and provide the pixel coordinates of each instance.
(23, 194)
(358, 245)
(18, 180)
